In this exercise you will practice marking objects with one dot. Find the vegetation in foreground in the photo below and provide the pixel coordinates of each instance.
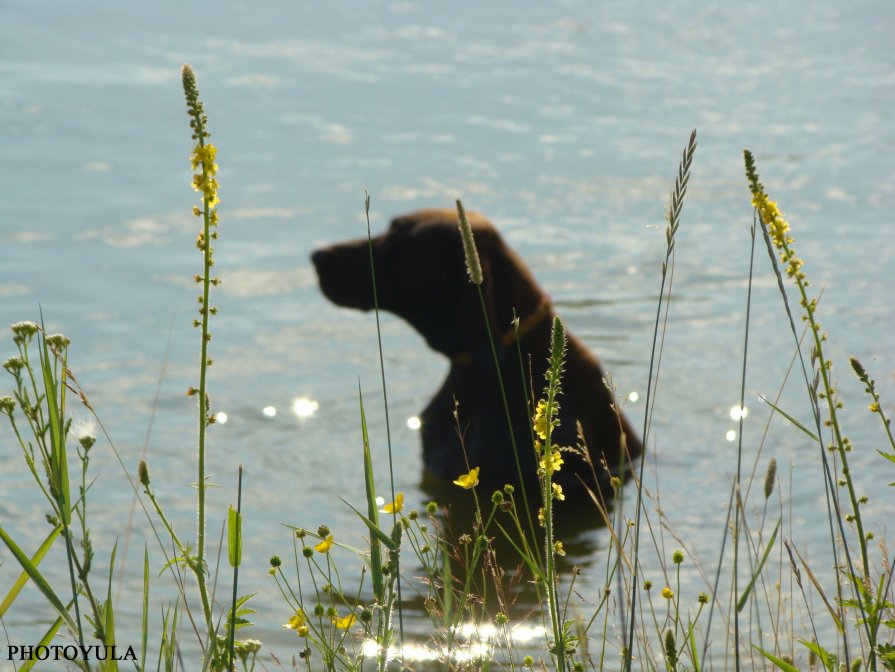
(349, 623)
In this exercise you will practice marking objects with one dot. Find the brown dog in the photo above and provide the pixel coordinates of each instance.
(421, 276)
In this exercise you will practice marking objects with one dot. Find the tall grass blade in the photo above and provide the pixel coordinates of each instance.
(110, 665)
(23, 577)
(779, 662)
(46, 640)
(38, 580)
(145, 624)
(767, 551)
(791, 419)
(372, 519)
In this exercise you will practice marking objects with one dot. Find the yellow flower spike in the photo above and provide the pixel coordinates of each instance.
(540, 420)
(551, 461)
(345, 622)
(396, 506)
(557, 491)
(667, 593)
(325, 545)
(558, 549)
(470, 480)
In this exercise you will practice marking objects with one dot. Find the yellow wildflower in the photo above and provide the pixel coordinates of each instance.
(540, 419)
(470, 480)
(396, 506)
(557, 491)
(551, 461)
(298, 622)
(667, 593)
(541, 516)
(558, 549)
(345, 622)
(325, 545)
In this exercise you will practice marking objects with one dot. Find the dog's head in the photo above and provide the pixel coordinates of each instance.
(421, 276)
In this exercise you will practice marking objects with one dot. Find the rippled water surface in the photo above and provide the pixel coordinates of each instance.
(563, 122)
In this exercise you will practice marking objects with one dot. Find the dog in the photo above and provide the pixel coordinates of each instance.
(421, 276)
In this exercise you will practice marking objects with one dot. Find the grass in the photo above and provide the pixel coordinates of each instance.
(468, 575)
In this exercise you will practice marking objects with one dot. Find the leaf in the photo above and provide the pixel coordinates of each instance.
(742, 601)
(109, 612)
(38, 579)
(779, 662)
(23, 577)
(58, 457)
(377, 576)
(786, 415)
(145, 625)
(46, 640)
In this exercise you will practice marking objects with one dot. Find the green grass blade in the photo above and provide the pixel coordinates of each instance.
(693, 651)
(38, 580)
(786, 415)
(779, 662)
(58, 456)
(378, 533)
(23, 577)
(372, 520)
(46, 640)
(145, 625)
(767, 551)
(109, 612)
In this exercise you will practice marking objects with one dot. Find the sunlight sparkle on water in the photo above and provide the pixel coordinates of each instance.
(736, 412)
(633, 396)
(731, 436)
(475, 642)
(304, 407)
(269, 411)
(414, 422)
(220, 417)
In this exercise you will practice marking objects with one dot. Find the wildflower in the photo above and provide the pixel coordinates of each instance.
(667, 593)
(540, 420)
(396, 506)
(58, 341)
(7, 405)
(703, 598)
(23, 332)
(558, 549)
(677, 557)
(470, 480)
(541, 516)
(345, 622)
(647, 585)
(275, 561)
(432, 508)
(298, 622)
(497, 497)
(325, 545)
(14, 365)
(551, 462)
(557, 491)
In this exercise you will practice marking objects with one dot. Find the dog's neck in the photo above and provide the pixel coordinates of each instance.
(523, 328)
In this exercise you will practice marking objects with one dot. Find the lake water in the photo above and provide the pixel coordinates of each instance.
(563, 122)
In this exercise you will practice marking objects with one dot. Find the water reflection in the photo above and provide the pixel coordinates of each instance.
(304, 407)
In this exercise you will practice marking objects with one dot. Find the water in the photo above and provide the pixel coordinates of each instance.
(563, 123)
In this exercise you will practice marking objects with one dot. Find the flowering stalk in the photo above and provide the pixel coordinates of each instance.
(777, 230)
(205, 182)
(550, 460)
